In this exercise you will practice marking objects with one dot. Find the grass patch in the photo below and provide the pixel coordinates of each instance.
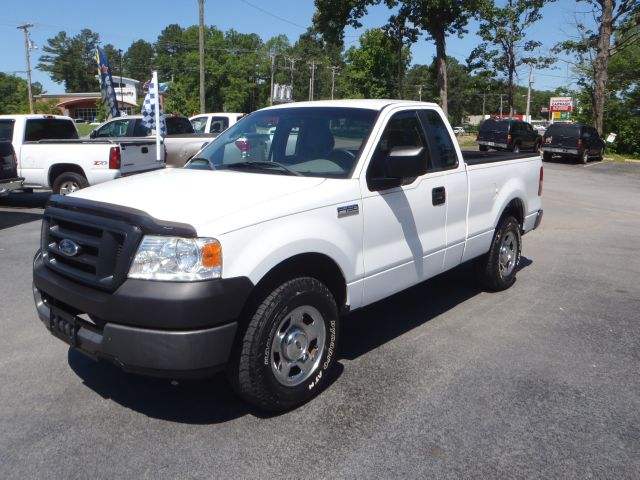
(85, 129)
(466, 140)
(618, 157)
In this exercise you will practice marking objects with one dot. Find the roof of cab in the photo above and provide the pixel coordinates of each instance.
(371, 104)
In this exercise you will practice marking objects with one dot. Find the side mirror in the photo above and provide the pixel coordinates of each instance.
(93, 134)
(400, 163)
(405, 162)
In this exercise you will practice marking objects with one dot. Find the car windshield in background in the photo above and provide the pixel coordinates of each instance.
(494, 126)
(178, 125)
(6, 129)
(308, 141)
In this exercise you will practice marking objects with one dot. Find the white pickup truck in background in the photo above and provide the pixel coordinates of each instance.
(180, 143)
(293, 216)
(51, 155)
(215, 122)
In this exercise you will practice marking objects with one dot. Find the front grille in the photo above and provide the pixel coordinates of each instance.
(99, 249)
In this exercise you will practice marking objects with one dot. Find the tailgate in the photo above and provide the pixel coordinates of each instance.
(139, 156)
(493, 136)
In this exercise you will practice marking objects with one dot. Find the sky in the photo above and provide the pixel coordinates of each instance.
(123, 22)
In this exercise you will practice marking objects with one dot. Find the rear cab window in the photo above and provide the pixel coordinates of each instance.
(49, 129)
(6, 129)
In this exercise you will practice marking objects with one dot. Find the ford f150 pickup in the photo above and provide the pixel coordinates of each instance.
(292, 217)
(50, 155)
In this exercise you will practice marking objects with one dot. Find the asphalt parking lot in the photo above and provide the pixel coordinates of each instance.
(441, 381)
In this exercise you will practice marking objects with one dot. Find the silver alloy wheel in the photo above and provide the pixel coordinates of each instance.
(298, 345)
(508, 254)
(585, 157)
(69, 187)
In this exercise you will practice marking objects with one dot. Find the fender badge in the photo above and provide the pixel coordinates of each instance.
(348, 210)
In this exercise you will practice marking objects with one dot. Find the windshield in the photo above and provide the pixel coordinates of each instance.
(308, 141)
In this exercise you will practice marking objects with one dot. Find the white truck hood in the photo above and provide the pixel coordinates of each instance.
(198, 197)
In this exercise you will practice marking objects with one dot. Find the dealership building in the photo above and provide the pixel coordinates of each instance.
(83, 105)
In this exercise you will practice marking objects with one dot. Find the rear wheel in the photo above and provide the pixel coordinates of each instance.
(496, 270)
(483, 148)
(288, 347)
(69, 182)
(585, 156)
(547, 156)
(516, 148)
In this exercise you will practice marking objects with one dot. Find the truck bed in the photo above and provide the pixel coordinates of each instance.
(476, 157)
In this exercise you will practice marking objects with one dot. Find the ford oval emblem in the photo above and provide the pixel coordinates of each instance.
(68, 247)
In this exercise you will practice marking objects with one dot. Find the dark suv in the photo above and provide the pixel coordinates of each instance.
(508, 134)
(9, 179)
(573, 140)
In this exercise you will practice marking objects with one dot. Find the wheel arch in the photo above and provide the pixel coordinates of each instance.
(60, 168)
(514, 208)
(311, 264)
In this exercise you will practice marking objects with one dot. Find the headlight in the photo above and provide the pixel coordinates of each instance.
(177, 259)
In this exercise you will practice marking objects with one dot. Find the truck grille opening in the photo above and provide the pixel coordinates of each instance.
(90, 249)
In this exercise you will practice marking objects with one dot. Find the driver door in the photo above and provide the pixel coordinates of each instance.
(404, 227)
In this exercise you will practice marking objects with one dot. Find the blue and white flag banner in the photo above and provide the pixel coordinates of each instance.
(107, 93)
(152, 115)
(151, 105)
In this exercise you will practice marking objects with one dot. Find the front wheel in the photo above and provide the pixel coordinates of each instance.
(69, 182)
(547, 156)
(497, 269)
(288, 347)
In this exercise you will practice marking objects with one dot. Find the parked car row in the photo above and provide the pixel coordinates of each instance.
(565, 139)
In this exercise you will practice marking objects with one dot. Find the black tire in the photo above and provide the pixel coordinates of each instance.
(495, 270)
(536, 147)
(483, 148)
(547, 156)
(261, 371)
(601, 154)
(584, 158)
(69, 182)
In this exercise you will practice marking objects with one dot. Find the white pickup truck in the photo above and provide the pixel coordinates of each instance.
(292, 217)
(50, 155)
(214, 122)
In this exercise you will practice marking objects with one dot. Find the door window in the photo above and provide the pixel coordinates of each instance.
(402, 130)
(442, 151)
(117, 128)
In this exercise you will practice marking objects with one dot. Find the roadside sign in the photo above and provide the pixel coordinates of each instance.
(561, 104)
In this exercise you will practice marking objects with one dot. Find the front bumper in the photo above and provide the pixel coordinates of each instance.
(11, 184)
(165, 329)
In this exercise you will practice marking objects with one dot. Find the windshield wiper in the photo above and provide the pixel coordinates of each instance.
(264, 166)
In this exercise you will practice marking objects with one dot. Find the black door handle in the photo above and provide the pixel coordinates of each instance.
(145, 150)
(438, 196)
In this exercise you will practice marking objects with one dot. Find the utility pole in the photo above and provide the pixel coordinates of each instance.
(273, 62)
(501, 104)
(420, 92)
(484, 101)
(333, 80)
(312, 79)
(201, 45)
(531, 80)
(25, 28)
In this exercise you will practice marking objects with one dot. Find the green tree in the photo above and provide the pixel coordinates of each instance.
(71, 60)
(371, 68)
(139, 60)
(439, 19)
(504, 47)
(617, 30)
(13, 94)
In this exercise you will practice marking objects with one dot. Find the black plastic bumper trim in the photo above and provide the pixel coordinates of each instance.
(149, 304)
(172, 354)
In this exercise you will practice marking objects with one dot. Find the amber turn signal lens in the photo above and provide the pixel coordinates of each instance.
(212, 255)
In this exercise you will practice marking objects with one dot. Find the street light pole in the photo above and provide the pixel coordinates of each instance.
(121, 88)
(531, 80)
(25, 28)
